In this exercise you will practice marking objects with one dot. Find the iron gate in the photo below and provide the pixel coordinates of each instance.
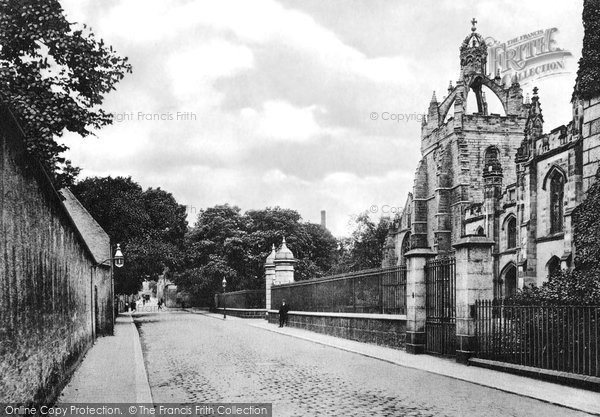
(440, 303)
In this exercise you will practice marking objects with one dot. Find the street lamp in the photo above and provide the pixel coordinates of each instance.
(224, 282)
(119, 261)
(118, 258)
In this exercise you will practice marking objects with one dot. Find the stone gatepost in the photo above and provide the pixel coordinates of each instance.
(416, 260)
(269, 278)
(474, 281)
(284, 265)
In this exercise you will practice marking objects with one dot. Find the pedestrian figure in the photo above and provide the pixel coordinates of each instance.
(160, 304)
(133, 306)
(283, 314)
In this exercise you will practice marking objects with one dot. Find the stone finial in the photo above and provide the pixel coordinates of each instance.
(284, 252)
(535, 91)
(271, 257)
(433, 100)
(474, 23)
(450, 87)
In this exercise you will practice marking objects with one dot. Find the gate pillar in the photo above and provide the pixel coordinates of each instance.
(416, 260)
(269, 278)
(474, 281)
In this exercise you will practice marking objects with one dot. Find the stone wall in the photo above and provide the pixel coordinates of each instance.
(47, 280)
(380, 329)
(591, 144)
(245, 313)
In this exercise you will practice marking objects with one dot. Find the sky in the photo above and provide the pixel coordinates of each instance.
(269, 103)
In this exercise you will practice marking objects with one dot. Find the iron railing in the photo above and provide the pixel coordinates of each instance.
(559, 338)
(376, 291)
(252, 299)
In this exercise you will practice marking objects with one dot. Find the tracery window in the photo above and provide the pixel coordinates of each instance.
(511, 233)
(557, 187)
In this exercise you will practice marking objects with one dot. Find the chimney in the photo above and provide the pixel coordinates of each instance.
(324, 219)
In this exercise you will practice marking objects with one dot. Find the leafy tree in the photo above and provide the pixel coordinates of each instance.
(587, 85)
(150, 226)
(364, 248)
(54, 75)
(116, 204)
(228, 244)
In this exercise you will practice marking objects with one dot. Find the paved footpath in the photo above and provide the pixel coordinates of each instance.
(112, 371)
(202, 358)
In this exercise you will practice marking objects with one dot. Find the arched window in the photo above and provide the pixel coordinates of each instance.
(491, 162)
(553, 266)
(510, 281)
(405, 245)
(480, 231)
(557, 187)
(511, 233)
(491, 155)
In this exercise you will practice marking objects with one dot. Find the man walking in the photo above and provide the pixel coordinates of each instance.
(283, 313)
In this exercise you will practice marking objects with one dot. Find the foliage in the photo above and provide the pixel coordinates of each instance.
(364, 248)
(149, 225)
(54, 75)
(567, 288)
(226, 243)
(588, 75)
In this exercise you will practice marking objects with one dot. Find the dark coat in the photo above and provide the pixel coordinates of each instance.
(283, 310)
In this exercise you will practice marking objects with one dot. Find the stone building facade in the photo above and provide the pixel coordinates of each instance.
(498, 176)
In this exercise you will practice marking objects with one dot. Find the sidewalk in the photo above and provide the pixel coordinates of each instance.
(574, 398)
(112, 371)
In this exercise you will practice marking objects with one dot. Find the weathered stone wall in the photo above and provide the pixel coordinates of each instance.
(244, 313)
(376, 330)
(46, 280)
(591, 143)
(103, 304)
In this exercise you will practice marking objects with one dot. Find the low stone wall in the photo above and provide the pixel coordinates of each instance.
(245, 313)
(381, 329)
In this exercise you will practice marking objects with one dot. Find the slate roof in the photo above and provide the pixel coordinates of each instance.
(92, 233)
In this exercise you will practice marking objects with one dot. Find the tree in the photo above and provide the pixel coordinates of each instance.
(54, 75)
(150, 226)
(116, 204)
(587, 85)
(228, 244)
(364, 248)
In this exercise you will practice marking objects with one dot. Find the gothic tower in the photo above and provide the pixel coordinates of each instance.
(465, 157)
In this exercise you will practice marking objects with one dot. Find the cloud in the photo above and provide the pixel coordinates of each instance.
(278, 120)
(193, 71)
(282, 91)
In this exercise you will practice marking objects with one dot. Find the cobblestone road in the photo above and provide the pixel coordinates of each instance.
(199, 358)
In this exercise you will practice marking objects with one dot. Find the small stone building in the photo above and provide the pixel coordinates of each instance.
(499, 175)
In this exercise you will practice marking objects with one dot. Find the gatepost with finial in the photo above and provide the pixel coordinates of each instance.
(269, 277)
(284, 264)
